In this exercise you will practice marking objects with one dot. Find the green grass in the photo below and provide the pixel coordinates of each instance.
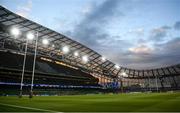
(109, 103)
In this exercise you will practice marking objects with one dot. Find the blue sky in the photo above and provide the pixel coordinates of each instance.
(133, 33)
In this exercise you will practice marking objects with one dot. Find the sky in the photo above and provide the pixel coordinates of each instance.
(138, 34)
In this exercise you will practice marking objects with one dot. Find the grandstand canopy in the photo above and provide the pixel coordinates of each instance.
(77, 51)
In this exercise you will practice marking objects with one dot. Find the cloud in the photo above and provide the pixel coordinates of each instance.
(166, 27)
(172, 46)
(168, 52)
(142, 41)
(142, 53)
(138, 31)
(88, 8)
(159, 56)
(103, 12)
(177, 25)
(90, 30)
(141, 49)
(158, 34)
(25, 9)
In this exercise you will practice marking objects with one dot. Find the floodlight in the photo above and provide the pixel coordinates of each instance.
(65, 49)
(117, 66)
(53, 45)
(30, 36)
(103, 59)
(15, 31)
(76, 53)
(124, 74)
(85, 59)
(45, 41)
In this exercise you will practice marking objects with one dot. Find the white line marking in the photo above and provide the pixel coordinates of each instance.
(28, 108)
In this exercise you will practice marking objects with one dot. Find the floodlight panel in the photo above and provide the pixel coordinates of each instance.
(15, 31)
(85, 59)
(45, 41)
(30, 36)
(103, 58)
(65, 49)
(76, 53)
(117, 66)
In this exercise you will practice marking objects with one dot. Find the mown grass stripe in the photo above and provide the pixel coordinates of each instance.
(30, 108)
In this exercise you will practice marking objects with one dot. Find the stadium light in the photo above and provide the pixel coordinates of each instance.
(85, 59)
(76, 54)
(15, 31)
(45, 41)
(124, 74)
(103, 59)
(30, 36)
(65, 49)
(117, 66)
(53, 45)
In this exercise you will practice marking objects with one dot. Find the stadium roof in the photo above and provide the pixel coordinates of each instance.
(95, 63)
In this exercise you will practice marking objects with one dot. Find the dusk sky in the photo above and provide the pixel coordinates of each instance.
(137, 34)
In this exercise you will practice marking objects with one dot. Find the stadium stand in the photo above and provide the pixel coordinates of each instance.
(56, 70)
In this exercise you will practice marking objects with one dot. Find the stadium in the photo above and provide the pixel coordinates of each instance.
(46, 66)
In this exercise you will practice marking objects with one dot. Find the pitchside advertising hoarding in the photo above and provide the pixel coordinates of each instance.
(113, 85)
